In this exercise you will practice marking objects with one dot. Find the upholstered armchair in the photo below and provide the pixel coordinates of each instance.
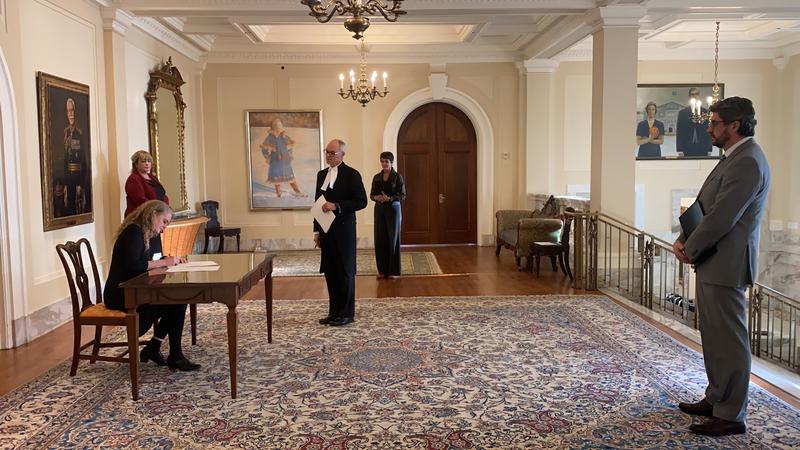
(518, 229)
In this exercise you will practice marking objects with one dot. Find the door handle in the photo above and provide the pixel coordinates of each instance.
(441, 198)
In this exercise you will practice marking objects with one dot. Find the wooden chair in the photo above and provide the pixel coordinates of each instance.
(85, 312)
(557, 251)
(214, 229)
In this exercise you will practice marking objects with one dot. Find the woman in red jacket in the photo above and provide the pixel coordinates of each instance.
(143, 186)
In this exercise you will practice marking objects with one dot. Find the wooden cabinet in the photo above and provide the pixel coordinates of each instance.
(178, 239)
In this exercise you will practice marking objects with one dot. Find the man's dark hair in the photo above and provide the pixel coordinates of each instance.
(733, 109)
(387, 155)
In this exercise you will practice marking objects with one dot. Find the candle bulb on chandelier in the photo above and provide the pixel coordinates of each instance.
(710, 101)
(374, 76)
(352, 78)
(341, 81)
(385, 75)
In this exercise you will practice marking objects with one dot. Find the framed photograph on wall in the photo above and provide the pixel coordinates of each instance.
(664, 125)
(64, 152)
(284, 154)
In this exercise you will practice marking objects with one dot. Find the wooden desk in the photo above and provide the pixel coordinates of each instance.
(238, 273)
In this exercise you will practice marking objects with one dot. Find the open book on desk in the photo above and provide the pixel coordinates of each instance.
(194, 266)
(690, 220)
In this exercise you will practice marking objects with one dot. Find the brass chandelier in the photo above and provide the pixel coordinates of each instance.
(357, 8)
(696, 105)
(363, 89)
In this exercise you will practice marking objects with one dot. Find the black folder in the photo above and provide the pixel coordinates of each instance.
(690, 219)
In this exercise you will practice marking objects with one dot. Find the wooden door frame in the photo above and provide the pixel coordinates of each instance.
(12, 287)
(485, 143)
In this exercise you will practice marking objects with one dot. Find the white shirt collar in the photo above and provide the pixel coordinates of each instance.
(730, 151)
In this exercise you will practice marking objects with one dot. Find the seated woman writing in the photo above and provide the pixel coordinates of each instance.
(132, 256)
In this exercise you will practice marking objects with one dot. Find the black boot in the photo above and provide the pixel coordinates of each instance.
(181, 363)
(152, 352)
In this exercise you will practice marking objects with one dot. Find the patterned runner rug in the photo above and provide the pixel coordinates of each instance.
(525, 372)
(305, 263)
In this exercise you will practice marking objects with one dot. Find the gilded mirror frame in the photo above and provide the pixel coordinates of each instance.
(168, 77)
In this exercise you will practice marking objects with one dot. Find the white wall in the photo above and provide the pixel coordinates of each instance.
(142, 55)
(67, 43)
(66, 39)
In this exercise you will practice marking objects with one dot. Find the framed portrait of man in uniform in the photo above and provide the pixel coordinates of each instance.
(64, 152)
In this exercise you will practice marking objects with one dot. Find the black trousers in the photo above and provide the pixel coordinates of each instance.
(388, 217)
(341, 286)
(170, 323)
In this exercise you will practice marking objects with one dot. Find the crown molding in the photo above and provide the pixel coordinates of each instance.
(615, 16)
(163, 34)
(540, 65)
(321, 57)
(116, 20)
(204, 41)
(681, 54)
(789, 50)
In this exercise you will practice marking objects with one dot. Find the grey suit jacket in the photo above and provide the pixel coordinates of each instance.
(733, 199)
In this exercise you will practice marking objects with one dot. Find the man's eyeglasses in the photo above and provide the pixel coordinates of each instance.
(327, 153)
(714, 123)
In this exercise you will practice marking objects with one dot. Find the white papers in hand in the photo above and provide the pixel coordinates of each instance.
(324, 219)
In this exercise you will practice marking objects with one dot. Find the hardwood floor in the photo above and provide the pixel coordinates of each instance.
(467, 271)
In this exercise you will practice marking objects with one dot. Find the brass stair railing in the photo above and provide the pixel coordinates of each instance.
(610, 254)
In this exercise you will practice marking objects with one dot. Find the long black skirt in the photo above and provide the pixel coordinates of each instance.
(387, 237)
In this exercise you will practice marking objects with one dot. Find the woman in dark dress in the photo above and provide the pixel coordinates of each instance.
(142, 186)
(133, 256)
(650, 133)
(388, 190)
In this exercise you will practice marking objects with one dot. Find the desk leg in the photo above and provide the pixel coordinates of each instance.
(132, 325)
(232, 357)
(268, 294)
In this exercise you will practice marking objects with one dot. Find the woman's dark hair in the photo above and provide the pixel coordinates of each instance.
(387, 155)
(739, 109)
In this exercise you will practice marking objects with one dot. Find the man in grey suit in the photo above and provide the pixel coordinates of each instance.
(724, 250)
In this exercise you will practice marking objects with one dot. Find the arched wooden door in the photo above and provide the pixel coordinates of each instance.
(437, 156)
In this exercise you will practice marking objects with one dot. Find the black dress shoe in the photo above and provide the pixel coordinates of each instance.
(718, 427)
(152, 355)
(326, 320)
(182, 364)
(338, 322)
(701, 408)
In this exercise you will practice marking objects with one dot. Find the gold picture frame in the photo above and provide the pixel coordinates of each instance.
(64, 152)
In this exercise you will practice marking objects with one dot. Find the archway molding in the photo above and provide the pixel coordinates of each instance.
(485, 143)
(12, 289)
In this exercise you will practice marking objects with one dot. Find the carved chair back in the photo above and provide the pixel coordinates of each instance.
(210, 208)
(72, 258)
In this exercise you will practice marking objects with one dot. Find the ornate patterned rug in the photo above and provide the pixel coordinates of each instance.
(413, 373)
(305, 263)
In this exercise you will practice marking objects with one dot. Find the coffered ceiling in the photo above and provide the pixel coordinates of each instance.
(441, 31)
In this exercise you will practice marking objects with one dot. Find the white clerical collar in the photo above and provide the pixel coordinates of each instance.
(730, 151)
